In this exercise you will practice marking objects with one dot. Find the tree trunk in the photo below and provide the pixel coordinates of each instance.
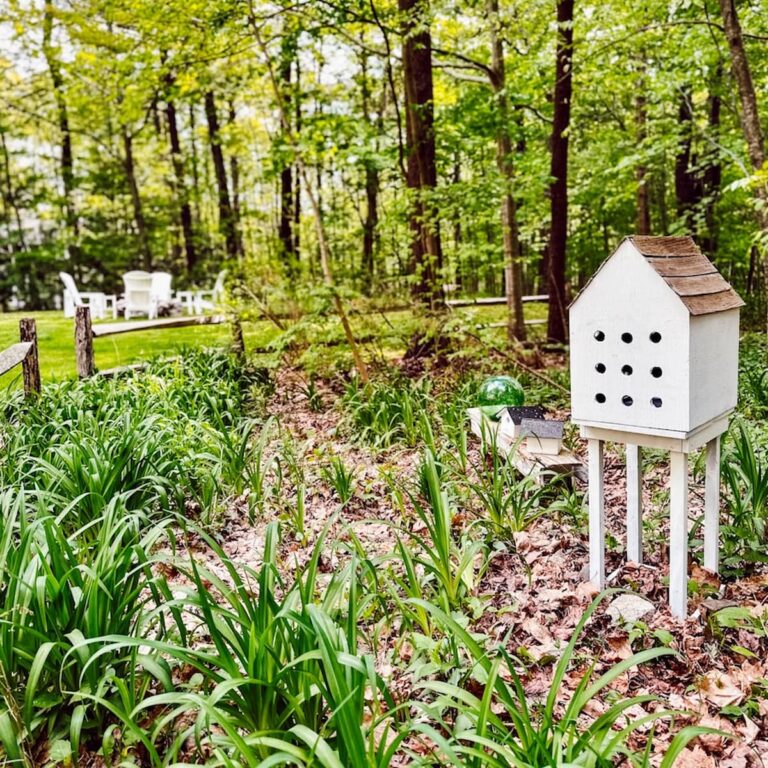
(421, 175)
(558, 189)
(371, 221)
(513, 273)
(227, 225)
(67, 162)
(180, 186)
(234, 175)
(370, 224)
(713, 171)
(288, 61)
(195, 163)
(9, 196)
(686, 193)
(750, 116)
(643, 225)
(138, 210)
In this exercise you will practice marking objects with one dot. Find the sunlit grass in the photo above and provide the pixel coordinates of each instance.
(57, 350)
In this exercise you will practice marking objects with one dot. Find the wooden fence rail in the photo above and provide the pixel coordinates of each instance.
(24, 353)
(484, 300)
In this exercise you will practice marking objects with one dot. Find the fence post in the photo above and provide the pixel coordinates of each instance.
(30, 366)
(83, 342)
(238, 341)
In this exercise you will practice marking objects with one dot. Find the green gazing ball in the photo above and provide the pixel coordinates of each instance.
(499, 391)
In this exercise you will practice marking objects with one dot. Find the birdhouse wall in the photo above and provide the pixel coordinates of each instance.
(630, 349)
(714, 358)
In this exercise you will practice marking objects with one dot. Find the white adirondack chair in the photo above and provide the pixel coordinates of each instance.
(98, 301)
(216, 294)
(161, 288)
(138, 294)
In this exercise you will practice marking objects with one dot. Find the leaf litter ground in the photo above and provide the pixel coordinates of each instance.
(534, 592)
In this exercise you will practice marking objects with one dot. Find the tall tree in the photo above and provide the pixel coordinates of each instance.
(504, 159)
(138, 209)
(180, 182)
(288, 74)
(643, 220)
(50, 52)
(558, 188)
(750, 116)
(371, 167)
(421, 172)
(713, 170)
(227, 223)
(687, 186)
(234, 175)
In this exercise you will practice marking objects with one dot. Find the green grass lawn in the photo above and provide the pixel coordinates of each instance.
(56, 343)
(57, 347)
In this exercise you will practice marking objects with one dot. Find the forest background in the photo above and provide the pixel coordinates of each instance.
(388, 149)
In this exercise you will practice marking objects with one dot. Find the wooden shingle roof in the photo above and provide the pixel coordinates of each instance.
(688, 272)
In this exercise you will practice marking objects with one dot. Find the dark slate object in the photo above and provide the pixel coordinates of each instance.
(519, 412)
(542, 428)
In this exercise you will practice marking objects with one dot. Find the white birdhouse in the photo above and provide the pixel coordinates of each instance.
(654, 340)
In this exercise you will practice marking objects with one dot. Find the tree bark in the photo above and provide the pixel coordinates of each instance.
(421, 172)
(371, 222)
(288, 60)
(513, 272)
(227, 224)
(686, 192)
(138, 210)
(9, 195)
(67, 161)
(643, 225)
(195, 163)
(234, 175)
(750, 116)
(713, 172)
(180, 186)
(558, 189)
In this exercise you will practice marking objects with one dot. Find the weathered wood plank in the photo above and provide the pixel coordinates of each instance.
(31, 364)
(484, 300)
(698, 285)
(15, 354)
(685, 266)
(714, 302)
(110, 329)
(83, 343)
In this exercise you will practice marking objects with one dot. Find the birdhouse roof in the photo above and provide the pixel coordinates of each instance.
(688, 272)
(543, 428)
(519, 412)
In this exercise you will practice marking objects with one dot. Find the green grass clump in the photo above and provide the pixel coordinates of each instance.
(127, 632)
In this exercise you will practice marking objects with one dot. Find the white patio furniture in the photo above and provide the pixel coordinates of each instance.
(98, 301)
(161, 288)
(216, 294)
(138, 294)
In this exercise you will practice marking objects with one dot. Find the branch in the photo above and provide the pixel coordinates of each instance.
(473, 63)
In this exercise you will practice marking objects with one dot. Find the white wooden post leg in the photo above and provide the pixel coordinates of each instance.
(712, 507)
(678, 534)
(634, 504)
(596, 515)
